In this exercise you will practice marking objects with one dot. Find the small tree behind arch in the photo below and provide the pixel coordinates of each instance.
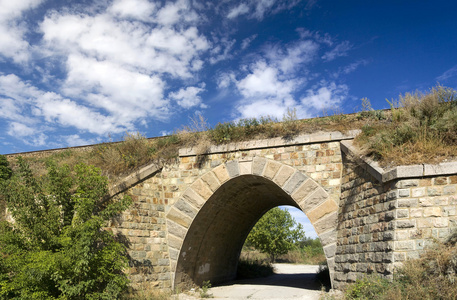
(275, 233)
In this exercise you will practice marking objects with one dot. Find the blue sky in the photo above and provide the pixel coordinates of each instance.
(84, 72)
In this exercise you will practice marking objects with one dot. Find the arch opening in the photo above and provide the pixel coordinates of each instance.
(214, 240)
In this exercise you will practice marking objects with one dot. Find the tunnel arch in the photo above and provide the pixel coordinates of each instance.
(207, 226)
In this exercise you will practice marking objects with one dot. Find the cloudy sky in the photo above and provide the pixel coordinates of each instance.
(83, 72)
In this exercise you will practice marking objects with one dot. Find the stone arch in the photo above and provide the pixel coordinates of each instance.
(208, 224)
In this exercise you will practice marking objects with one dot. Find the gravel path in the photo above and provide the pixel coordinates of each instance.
(289, 282)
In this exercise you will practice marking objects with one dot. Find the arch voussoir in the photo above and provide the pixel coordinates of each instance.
(201, 188)
(258, 166)
(194, 198)
(284, 173)
(221, 173)
(211, 180)
(271, 168)
(179, 217)
(294, 182)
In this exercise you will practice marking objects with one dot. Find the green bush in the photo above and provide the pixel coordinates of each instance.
(57, 247)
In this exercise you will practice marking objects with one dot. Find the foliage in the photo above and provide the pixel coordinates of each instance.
(254, 268)
(422, 128)
(204, 289)
(275, 233)
(57, 248)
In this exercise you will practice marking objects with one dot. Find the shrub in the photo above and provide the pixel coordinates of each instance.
(422, 128)
(57, 248)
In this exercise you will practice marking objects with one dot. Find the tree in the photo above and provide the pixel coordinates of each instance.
(57, 247)
(275, 233)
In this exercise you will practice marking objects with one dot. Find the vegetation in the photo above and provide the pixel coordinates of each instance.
(57, 248)
(254, 268)
(432, 276)
(421, 128)
(275, 233)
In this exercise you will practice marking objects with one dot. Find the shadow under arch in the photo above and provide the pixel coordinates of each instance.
(209, 224)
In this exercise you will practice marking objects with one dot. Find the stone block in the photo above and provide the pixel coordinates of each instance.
(186, 208)
(258, 164)
(407, 183)
(174, 242)
(294, 182)
(317, 197)
(178, 217)
(404, 245)
(283, 175)
(441, 222)
(432, 212)
(406, 223)
(402, 213)
(271, 169)
(406, 202)
(176, 229)
(211, 180)
(221, 173)
(418, 192)
(201, 188)
(233, 168)
(245, 167)
(330, 250)
(424, 202)
(326, 223)
(328, 237)
(322, 210)
(403, 193)
(450, 190)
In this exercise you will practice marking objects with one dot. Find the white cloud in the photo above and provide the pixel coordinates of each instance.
(329, 95)
(257, 9)
(126, 94)
(12, 31)
(222, 51)
(241, 9)
(247, 41)
(174, 12)
(77, 140)
(188, 97)
(264, 82)
(290, 58)
(448, 74)
(350, 68)
(20, 130)
(65, 112)
(135, 9)
(340, 50)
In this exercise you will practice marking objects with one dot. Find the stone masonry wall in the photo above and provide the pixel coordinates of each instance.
(426, 210)
(366, 224)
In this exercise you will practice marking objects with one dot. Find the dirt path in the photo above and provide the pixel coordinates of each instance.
(289, 282)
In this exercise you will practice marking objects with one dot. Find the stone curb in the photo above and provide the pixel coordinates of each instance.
(133, 179)
(400, 172)
(319, 137)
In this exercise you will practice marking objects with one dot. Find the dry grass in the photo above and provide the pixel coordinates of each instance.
(422, 128)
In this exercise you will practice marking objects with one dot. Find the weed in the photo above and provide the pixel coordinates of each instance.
(204, 289)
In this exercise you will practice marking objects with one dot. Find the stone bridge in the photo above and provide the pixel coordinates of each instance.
(190, 218)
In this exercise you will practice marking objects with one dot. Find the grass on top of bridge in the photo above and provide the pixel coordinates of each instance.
(419, 128)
